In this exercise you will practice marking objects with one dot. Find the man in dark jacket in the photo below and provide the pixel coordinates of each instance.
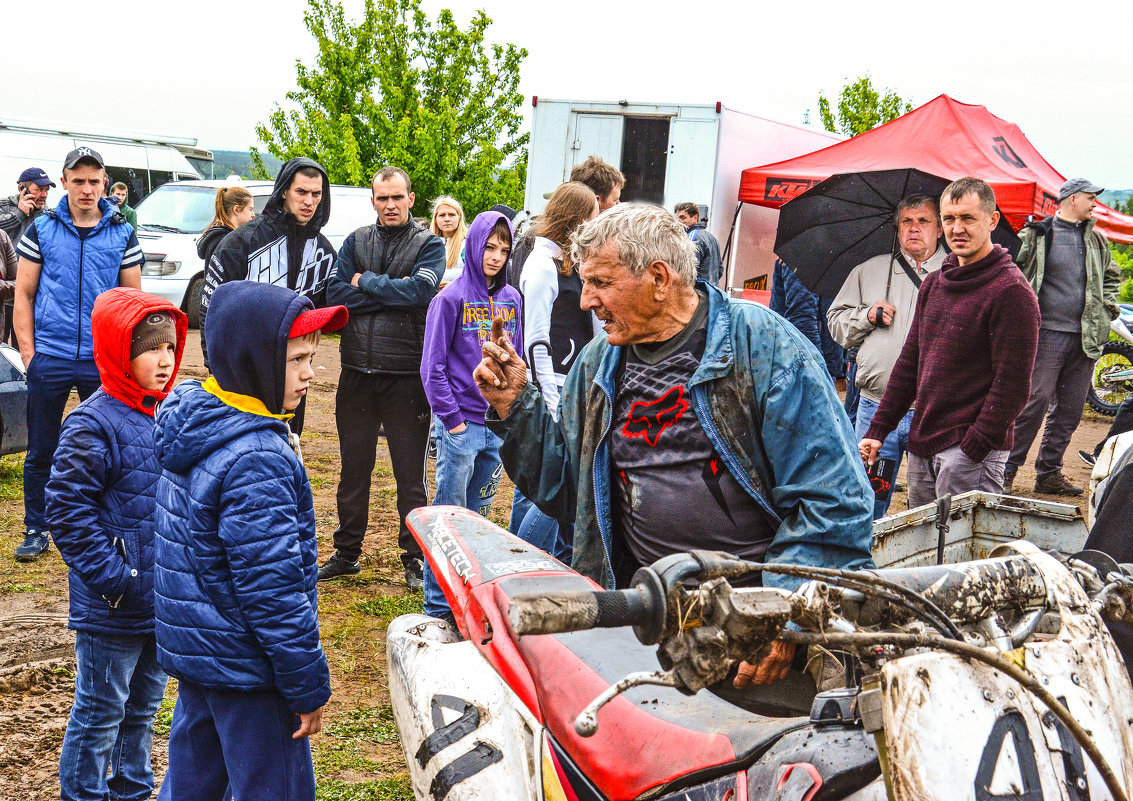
(18, 211)
(709, 264)
(281, 246)
(386, 275)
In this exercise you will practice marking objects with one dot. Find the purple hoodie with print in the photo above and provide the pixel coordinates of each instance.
(459, 320)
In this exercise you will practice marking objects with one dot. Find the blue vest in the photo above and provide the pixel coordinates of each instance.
(74, 272)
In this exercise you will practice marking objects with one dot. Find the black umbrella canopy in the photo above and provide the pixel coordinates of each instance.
(836, 225)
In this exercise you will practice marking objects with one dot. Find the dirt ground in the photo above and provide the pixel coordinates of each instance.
(357, 756)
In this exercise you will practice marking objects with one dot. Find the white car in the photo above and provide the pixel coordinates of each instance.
(172, 218)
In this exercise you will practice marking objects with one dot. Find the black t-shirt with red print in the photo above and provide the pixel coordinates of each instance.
(672, 491)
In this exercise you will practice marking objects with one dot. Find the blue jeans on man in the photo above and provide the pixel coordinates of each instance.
(893, 448)
(118, 690)
(468, 474)
(50, 380)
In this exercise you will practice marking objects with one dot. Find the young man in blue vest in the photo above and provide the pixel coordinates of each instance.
(68, 256)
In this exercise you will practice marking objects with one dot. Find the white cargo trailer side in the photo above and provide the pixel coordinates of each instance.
(671, 153)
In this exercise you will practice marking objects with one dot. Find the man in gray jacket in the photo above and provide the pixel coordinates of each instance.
(18, 211)
(1072, 271)
(873, 312)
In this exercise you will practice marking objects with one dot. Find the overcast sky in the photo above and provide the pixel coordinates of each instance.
(212, 69)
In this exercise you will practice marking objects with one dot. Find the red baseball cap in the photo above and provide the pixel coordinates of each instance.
(329, 319)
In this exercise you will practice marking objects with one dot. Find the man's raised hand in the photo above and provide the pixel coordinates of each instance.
(501, 374)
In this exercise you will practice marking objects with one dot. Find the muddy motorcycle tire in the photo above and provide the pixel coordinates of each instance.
(1104, 397)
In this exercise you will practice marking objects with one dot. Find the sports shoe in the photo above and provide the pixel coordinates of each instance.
(1008, 480)
(336, 567)
(1056, 484)
(415, 574)
(36, 544)
(1088, 458)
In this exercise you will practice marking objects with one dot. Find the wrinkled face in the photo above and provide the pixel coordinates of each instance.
(918, 231)
(496, 251)
(610, 200)
(300, 352)
(447, 220)
(121, 194)
(392, 201)
(84, 184)
(967, 227)
(241, 214)
(153, 368)
(686, 219)
(37, 193)
(1079, 206)
(624, 302)
(302, 198)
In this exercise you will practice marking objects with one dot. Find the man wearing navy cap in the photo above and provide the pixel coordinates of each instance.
(1072, 271)
(17, 211)
(68, 256)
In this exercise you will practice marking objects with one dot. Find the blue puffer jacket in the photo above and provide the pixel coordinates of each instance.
(100, 497)
(75, 272)
(235, 524)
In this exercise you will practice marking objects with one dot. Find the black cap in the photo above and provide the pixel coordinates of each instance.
(36, 176)
(83, 155)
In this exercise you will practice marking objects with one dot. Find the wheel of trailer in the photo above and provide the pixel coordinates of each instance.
(1106, 395)
(193, 301)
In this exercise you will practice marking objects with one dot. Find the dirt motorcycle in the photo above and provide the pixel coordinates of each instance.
(980, 680)
(1113, 373)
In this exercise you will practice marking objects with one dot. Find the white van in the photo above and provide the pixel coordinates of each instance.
(141, 161)
(172, 219)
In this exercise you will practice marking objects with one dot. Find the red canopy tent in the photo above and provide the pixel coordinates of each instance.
(946, 138)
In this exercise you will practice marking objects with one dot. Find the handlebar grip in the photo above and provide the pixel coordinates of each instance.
(553, 613)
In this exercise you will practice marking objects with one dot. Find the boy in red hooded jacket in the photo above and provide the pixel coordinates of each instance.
(100, 503)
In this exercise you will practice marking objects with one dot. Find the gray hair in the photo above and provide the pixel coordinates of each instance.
(643, 234)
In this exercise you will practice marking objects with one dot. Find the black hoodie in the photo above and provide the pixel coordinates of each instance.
(272, 249)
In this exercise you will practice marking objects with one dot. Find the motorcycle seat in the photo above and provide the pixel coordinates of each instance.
(647, 737)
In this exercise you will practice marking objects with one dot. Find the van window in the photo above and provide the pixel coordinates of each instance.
(134, 179)
(178, 209)
(159, 177)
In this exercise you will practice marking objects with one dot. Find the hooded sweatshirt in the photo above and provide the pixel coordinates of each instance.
(967, 359)
(210, 240)
(458, 322)
(272, 249)
(236, 556)
(100, 498)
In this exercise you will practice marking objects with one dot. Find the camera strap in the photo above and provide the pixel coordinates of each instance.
(909, 271)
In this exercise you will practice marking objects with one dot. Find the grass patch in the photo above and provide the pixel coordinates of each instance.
(369, 724)
(387, 607)
(394, 789)
(12, 477)
(164, 719)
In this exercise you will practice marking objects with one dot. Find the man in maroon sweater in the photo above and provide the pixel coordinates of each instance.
(967, 360)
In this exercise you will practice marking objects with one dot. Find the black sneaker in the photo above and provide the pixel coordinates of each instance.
(1008, 480)
(336, 567)
(415, 574)
(36, 544)
(1056, 484)
(1088, 458)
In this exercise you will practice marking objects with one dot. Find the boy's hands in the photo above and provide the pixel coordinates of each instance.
(501, 374)
(309, 723)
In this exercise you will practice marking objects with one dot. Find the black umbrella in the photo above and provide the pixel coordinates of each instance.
(836, 225)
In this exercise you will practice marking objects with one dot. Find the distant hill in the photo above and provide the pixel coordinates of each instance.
(239, 162)
(1109, 196)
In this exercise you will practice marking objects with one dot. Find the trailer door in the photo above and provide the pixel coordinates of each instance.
(692, 160)
(593, 134)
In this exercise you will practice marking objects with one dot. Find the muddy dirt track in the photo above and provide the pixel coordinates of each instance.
(37, 650)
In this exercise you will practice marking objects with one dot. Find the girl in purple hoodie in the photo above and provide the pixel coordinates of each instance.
(459, 320)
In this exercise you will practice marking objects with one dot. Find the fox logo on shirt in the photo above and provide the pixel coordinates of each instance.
(649, 420)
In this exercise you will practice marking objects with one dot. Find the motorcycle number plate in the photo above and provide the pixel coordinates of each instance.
(961, 730)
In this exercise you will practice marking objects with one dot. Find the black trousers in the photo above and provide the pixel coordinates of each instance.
(364, 403)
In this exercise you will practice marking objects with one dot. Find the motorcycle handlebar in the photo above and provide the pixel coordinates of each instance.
(554, 613)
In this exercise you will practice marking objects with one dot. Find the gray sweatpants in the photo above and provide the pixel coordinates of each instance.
(951, 472)
(1060, 382)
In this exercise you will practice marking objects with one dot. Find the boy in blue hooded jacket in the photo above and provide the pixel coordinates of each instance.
(458, 322)
(100, 506)
(234, 587)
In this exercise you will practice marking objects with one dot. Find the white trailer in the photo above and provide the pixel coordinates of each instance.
(672, 153)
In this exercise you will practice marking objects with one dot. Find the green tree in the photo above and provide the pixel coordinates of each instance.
(397, 88)
(861, 107)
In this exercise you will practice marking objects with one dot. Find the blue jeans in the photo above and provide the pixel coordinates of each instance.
(49, 385)
(542, 531)
(118, 689)
(223, 737)
(893, 448)
(468, 474)
(520, 506)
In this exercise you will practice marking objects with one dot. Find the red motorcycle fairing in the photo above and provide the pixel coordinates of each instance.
(647, 738)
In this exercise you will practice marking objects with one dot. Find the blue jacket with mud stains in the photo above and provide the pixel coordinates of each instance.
(766, 403)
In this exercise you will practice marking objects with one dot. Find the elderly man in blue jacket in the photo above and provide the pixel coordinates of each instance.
(694, 422)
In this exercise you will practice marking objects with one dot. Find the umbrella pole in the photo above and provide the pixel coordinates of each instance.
(728, 249)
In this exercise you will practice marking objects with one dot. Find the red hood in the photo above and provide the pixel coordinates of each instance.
(112, 322)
